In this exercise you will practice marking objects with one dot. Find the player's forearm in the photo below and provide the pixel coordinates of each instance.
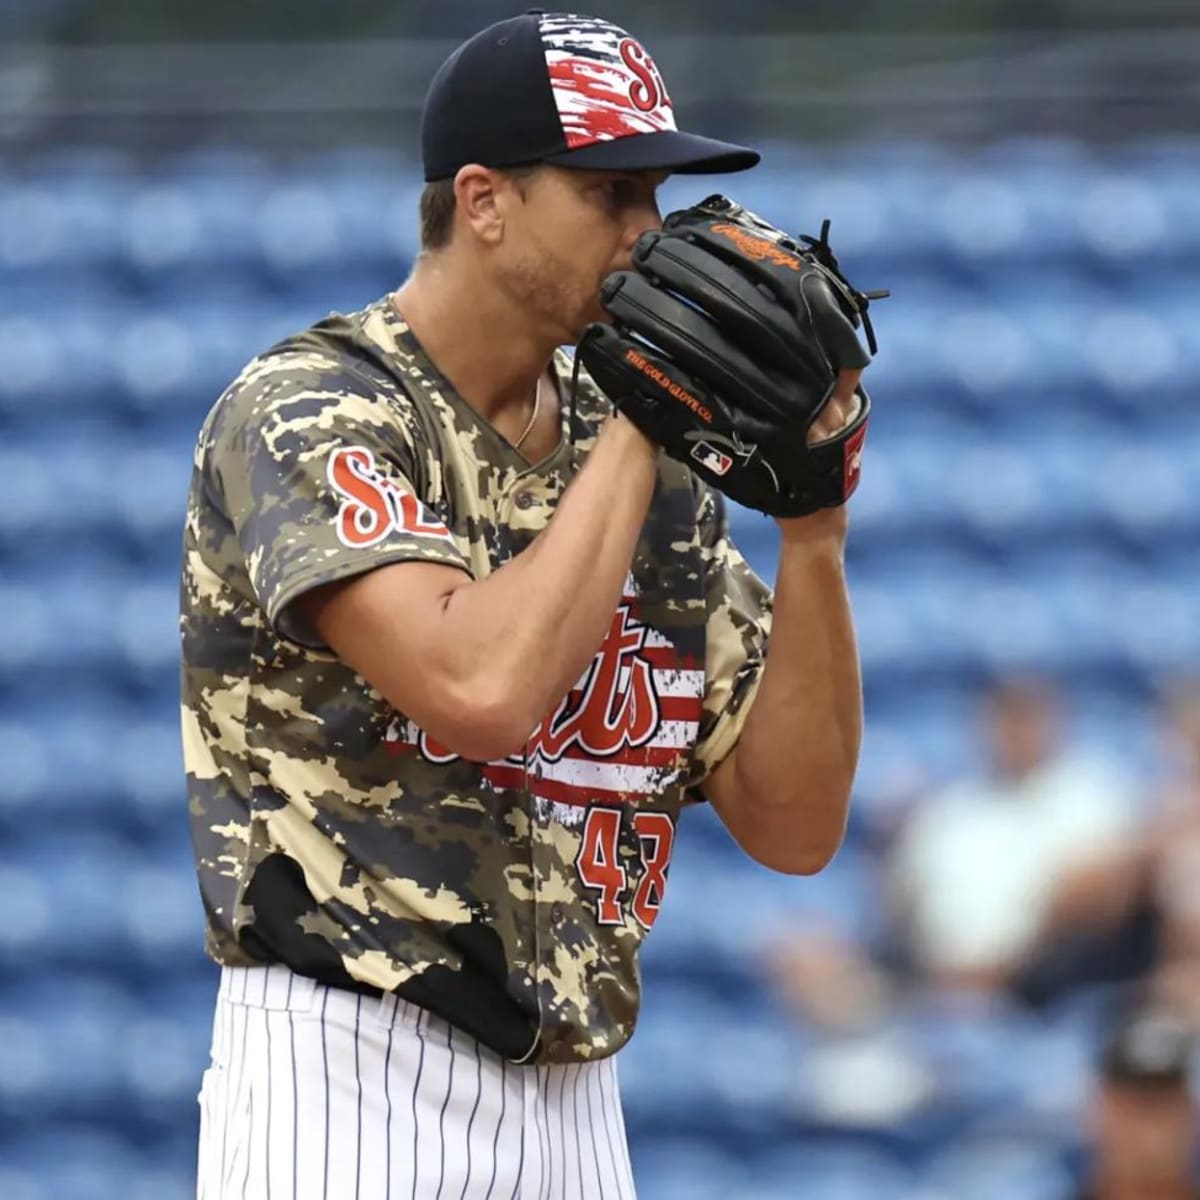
(796, 757)
(538, 621)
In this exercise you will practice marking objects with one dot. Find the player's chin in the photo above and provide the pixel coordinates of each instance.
(596, 312)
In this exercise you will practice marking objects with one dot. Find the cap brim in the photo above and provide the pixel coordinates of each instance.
(670, 150)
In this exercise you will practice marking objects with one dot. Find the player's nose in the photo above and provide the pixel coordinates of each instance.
(642, 219)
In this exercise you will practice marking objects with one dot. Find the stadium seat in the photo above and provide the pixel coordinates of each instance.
(984, 217)
(1002, 1169)
(69, 1161)
(684, 1169)
(65, 1051)
(84, 866)
(824, 1172)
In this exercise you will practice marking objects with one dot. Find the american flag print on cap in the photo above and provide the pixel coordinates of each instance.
(605, 84)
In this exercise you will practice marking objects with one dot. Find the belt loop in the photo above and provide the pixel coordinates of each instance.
(394, 1012)
(296, 993)
(272, 987)
(389, 1003)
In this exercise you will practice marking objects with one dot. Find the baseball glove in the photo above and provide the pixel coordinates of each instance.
(725, 346)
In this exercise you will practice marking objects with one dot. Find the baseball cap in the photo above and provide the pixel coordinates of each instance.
(560, 88)
(1148, 1049)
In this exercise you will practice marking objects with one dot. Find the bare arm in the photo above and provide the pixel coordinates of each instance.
(784, 791)
(477, 664)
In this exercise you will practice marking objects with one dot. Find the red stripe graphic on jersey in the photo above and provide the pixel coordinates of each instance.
(631, 756)
(373, 504)
(505, 777)
(670, 708)
(605, 84)
(667, 658)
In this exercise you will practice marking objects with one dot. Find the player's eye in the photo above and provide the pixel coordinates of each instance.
(622, 193)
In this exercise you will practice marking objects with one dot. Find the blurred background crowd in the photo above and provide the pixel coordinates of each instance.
(993, 990)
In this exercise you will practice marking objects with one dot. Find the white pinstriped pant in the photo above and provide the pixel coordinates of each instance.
(317, 1093)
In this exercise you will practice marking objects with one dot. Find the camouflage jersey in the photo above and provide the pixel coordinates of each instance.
(333, 835)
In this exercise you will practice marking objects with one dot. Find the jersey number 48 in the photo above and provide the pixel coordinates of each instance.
(600, 867)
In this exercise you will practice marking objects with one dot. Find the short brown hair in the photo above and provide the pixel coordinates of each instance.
(437, 213)
(438, 205)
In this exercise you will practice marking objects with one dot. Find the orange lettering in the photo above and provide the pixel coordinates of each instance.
(365, 517)
(617, 705)
(374, 504)
(668, 385)
(757, 248)
(410, 519)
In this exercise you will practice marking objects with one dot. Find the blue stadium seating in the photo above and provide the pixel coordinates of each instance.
(1029, 501)
(826, 1172)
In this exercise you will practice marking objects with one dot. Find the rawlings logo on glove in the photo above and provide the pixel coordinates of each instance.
(726, 344)
(757, 248)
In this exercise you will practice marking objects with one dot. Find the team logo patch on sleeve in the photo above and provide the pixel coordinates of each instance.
(375, 505)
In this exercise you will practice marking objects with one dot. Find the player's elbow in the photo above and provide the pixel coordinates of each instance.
(791, 825)
(790, 842)
(797, 836)
(810, 844)
(797, 858)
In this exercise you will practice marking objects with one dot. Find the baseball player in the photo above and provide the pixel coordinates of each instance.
(463, 632)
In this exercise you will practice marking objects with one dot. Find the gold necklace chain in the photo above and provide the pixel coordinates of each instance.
(537, 404)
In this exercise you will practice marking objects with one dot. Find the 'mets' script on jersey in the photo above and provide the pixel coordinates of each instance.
(333, 834)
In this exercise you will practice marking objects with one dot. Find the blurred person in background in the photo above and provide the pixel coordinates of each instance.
(1142, 1138)
(1012, 883)
(1150, 901)
(1160, 870)
(1001, 879)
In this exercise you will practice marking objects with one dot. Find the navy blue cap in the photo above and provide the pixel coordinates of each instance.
(565, 89)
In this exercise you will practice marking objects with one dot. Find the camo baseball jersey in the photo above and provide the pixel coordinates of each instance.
(334, 836)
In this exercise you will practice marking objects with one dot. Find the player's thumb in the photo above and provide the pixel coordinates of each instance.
(840, 409)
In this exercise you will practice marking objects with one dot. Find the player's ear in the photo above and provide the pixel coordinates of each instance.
(479, 196)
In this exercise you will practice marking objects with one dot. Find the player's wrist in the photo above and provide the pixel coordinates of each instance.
(823, 530)
(631, 438)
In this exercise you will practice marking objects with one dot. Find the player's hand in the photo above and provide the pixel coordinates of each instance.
(827, 524)
(842, 409)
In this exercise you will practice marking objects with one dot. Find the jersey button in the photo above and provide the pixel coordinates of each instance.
(524, 500)
(557, 914)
